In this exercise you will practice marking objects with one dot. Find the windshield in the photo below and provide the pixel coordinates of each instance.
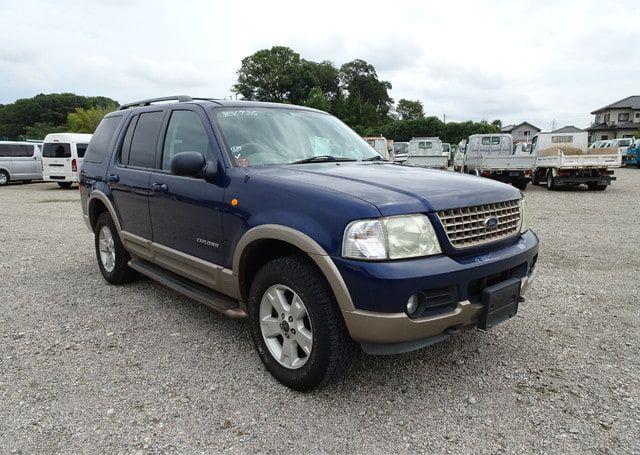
(261, 136)
(401, 147)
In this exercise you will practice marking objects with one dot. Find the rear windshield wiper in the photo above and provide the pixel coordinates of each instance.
(321, 158)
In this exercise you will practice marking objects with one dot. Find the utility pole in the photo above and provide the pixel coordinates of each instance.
(444, 117)
(553, 125)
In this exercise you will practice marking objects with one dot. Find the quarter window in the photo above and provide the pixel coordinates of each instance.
(495, 140)
(486, 141)
(81, 149)
(143, 143)
(185, 133)
(16, 150)
(99, 146)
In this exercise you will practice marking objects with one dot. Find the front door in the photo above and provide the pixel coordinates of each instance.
(186, 212)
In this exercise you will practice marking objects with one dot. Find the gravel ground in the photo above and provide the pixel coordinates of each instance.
(90, 368)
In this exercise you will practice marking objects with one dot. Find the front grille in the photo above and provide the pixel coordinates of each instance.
(466, 227)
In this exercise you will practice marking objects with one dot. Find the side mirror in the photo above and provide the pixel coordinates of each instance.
(189, 164)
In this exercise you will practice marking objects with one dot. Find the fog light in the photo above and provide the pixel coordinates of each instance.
(412, 304)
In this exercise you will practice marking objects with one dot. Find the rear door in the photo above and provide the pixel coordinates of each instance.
(186, 212)
(56, 158)
(128, 177)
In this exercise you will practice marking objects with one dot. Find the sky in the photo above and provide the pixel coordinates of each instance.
(546, 62)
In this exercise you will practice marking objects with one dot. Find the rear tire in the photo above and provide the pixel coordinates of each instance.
(4, 178)
(596, 187)
(551, 181)
(115, 269)
(279, 284)
(65, 185)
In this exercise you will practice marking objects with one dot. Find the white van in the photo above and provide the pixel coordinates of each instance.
(20, 161)
(62, 154)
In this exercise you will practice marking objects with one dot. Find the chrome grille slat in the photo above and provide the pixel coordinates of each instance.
(465, 226)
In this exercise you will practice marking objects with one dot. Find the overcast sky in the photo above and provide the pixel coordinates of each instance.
(513, 60)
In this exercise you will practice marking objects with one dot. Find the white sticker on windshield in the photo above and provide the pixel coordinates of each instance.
(238, 113)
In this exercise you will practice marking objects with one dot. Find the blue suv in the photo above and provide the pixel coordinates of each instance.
(284, 215)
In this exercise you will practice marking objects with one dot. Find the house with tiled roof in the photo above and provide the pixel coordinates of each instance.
(616, 120)
(522, 132)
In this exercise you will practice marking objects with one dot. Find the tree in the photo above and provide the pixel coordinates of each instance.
(51, 109)
(40, 130)
(367, 98)
(277, 74)
(409, 110)
(497, 123)
(86, 120)
(318, 100)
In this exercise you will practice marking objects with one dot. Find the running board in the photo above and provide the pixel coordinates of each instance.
(217, 301)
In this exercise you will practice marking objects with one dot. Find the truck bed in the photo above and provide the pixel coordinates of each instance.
(501, 163)
(562, 161)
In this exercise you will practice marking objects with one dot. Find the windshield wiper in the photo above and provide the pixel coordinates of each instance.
(321, 158)
(375, 158)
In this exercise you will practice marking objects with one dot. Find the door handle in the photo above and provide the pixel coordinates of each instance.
(159, 187)
(113, 178)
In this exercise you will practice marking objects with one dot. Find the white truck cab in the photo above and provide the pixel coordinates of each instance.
(380, 145)
(62, 154)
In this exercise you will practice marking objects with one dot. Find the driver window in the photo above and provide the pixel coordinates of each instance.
(185, 133)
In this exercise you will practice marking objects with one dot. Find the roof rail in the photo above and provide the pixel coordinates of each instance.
(150, 101)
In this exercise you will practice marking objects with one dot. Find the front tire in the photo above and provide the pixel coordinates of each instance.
(4, 178)
(296, 325)
(551, 181)
(112, 257)
(65, 185)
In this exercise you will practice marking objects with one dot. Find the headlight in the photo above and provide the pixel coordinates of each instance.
(396, 237)
(524, 219)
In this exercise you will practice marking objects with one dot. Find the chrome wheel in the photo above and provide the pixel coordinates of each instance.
(107, 249)
(286, 326)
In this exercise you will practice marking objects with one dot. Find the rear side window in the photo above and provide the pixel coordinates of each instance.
(486, 141)
(142, 152)
(495, 140)
(98, 148)
(16, 150)
(185, 133)
(56, 150)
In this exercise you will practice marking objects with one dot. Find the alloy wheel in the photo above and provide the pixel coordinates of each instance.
(107, 249)
(286, 326)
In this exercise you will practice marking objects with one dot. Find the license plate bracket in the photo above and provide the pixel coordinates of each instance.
(500, 303)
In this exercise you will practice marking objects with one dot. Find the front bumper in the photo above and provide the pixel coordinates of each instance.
(392, 331)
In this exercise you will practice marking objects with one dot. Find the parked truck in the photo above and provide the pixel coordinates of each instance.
(381, 145)
(492, 156)
(563, 159)
(632, 156)
(427, 152)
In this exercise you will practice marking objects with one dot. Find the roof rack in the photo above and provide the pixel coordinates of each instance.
(150, 101)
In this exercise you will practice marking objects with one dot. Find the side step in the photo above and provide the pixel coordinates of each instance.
(217, 301)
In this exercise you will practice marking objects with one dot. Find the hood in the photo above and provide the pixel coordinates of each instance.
(396, 189)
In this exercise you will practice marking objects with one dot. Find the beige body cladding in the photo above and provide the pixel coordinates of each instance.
(363, 326)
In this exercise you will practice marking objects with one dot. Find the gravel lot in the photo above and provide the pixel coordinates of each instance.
(90, 368)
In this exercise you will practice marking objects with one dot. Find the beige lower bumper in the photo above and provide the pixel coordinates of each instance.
(388, 328)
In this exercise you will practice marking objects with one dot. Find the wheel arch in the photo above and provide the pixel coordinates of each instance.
(99, 203)
(270, 241)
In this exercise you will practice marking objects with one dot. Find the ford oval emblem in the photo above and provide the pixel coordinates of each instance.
(490, 223)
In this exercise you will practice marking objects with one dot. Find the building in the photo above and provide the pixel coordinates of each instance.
(616, 120)
(523, 132)
(568, 129)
